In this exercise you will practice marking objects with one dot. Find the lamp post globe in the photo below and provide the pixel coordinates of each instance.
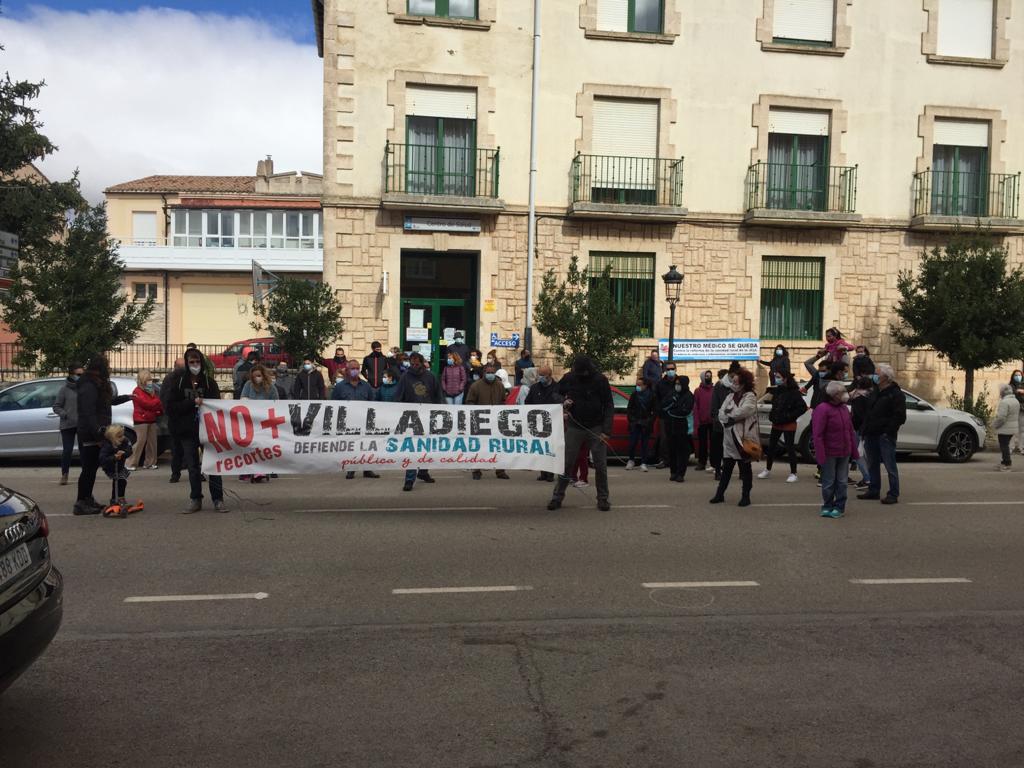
(673, 280)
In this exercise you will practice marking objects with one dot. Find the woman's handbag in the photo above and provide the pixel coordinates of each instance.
(749, 449)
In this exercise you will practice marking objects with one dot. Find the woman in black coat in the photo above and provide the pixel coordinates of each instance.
(788, 405)
(95, 399)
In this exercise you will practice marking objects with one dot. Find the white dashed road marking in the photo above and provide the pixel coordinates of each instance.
(453, 590)
(911, 581)
(697, 584)
(195, 598)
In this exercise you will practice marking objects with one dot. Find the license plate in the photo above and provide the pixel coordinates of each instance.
(13, 563)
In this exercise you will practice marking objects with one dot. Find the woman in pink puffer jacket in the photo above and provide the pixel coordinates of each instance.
(835, 444)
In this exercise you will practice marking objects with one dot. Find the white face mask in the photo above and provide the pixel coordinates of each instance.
(307, 366)
(195, 369)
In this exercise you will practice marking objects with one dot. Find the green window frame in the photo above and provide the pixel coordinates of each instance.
(448, 170)
(796, 186)
(792, 298)
(959, 192)
(442, 9)
(632, 25)
(632, 284)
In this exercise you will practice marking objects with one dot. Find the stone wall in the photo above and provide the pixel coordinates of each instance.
(721, 294)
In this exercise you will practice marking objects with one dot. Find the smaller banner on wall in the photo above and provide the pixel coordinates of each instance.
(317, 437)
(711, 349)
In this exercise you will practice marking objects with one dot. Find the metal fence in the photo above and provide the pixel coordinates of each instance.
(626, 180)
(959, 193)
(130, 359)
(427, 169)
(785, 186)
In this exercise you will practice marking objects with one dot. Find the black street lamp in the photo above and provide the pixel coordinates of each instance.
(673, 288)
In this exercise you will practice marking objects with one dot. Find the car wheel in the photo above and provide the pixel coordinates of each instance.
(957, 444)
(807, 446)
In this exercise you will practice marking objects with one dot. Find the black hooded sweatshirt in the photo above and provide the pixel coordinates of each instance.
(184, 387)
(677, 406)
(591, 395)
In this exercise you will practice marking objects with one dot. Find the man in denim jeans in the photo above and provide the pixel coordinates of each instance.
(887, 412)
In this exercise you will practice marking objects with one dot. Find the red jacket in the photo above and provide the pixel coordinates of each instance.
(148, 407)
(702, 406)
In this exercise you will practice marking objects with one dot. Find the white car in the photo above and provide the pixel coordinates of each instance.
(954, 435)
(29, 427)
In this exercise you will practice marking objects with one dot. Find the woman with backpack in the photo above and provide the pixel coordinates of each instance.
(787, 406)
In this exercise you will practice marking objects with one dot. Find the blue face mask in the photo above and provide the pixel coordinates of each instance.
(490, 376)
(874, 377)
(76, 377)
(779, 353)
(823, 374)
(543, 380)
(451, 361)
(670, 374)
(1016, 378)
(779, 382)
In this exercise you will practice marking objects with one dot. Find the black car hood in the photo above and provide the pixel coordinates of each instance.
(13, 506)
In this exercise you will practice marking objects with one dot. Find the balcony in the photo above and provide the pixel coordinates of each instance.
(788, 195)
(425, 177)
(157, 255)
(629, 188)
(945, 200)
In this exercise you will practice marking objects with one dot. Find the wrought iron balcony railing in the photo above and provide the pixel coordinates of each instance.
(959, 193)
(608, 179)
(786, 186)
(427, 169)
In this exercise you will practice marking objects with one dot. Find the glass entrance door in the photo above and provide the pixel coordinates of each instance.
(428, 326)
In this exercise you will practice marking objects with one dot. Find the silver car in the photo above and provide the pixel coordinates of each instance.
(954, 435)
(29, 427)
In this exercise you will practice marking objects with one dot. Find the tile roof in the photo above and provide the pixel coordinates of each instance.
(235, 184)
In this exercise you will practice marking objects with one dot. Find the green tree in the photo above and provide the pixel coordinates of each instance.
(66, 301)
(966, 303)
(304, 317)
(579, 317)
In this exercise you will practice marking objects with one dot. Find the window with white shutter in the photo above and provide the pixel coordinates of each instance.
(630, 15)
(959, 176)
(966, 28)
(143, 228)
(613, 15)
(427, 101)
(804, 21)
(623, 168)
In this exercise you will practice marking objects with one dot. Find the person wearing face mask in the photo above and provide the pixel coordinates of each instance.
(474, 368)
(388, 387)
(1017, 384)
(787, 406)
(887, 412)
(721, 391)
(589, 411)
(66, 407)
(283, 380)
(738, 416)
(352, 388)
(675, 412)
(640, 416)
(147, 409)
(860, 401)
(460, 348)
(260, 386)
(653, 369)
(863, 365)
(702, 418)
(779, 364)
(835, 443)
(1005, 423)
(525, 361)
(488, 391)
(177, 452)
(663, 392)
(187, 391)
(837, 348)
(823, 371)
(530, 378)
(453, 379)
(336, 364)
(374, 365)
(242, 370)
(417, 385)
(309, 383)
(544, 392)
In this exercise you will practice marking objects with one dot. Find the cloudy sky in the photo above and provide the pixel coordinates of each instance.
(169, 86)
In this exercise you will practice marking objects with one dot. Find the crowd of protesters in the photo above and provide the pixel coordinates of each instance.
(857, 410)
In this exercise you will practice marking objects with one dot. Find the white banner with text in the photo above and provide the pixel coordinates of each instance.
(711, 349)
(244, 437)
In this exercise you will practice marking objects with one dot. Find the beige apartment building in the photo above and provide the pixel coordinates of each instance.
(190, 242)
(789, 157)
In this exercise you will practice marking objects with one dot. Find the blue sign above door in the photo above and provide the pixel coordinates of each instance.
(510, 343)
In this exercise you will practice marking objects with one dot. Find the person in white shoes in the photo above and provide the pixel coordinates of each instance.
(640, 415)
(787, 406)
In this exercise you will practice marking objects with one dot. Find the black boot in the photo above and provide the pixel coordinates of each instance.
(747, 476)
(723, 481)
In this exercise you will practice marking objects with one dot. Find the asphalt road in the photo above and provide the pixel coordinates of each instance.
(774, 646)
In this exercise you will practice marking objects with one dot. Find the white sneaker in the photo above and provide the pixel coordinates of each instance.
(643, 467)
(764, 474)
(580, 484)
(630, 465)
(792, 479)
(709, 468)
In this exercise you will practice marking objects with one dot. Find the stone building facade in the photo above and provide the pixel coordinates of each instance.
(899, 109)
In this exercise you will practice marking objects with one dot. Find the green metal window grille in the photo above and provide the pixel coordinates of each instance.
(448, 9)
(632, 284)
(646, 16)
(792, 298)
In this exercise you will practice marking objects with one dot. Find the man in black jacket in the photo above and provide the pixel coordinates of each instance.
(177, 452)
(374, 365)
(589, 412)
(663, 390)
(722, 390)
(187, 390)
(887, 412)
(674, 411)
(418, 385)
(544, 392)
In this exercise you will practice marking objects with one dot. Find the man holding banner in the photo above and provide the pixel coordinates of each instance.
(418, 385)
(589, 411)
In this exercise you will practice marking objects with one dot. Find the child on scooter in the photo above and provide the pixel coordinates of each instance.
(115, 449)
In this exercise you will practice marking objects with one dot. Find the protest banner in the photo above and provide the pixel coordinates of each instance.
(710, 349)
(243, 437)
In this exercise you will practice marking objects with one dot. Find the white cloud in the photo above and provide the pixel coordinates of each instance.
(164, 91)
